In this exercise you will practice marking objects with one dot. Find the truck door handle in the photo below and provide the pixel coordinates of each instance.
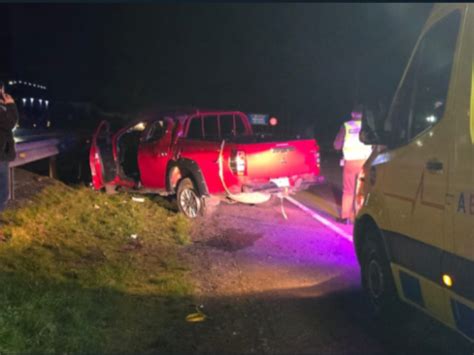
(434, 165)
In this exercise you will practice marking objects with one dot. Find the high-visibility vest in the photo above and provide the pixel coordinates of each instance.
(353, 148)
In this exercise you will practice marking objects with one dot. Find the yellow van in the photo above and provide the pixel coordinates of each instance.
(414, 232)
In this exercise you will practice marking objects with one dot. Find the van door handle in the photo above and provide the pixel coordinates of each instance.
(434, 166)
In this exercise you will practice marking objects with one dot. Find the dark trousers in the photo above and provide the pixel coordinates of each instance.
(4, 184)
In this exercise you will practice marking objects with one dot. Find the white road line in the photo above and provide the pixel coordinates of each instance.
(321, 219)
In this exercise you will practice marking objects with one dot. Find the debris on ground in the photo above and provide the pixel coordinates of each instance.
(197, 316)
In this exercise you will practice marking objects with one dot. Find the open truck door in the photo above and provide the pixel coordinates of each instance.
(101, 157)
(154, 153)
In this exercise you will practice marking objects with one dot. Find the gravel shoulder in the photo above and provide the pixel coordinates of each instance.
(275, 286)
(270, 286)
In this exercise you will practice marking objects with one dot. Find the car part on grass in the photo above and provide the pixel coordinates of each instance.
(197, 316)
(110, 189)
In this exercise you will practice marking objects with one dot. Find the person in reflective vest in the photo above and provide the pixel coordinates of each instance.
(355, 154)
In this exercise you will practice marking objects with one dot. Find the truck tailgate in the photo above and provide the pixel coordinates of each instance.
(280, 159)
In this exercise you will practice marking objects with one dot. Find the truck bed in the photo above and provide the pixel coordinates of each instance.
(274, 159)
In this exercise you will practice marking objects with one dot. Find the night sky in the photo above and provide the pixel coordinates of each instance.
(306, 63)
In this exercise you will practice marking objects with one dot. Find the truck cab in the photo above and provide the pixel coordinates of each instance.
(414, 232)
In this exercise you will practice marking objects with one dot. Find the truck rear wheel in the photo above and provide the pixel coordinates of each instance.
(189, 201)
(377, 279)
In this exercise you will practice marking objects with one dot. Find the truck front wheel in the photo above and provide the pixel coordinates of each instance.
(189, 201)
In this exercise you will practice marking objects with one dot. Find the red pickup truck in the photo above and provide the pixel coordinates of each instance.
(203, 157)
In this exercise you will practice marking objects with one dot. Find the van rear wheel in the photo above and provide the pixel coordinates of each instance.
(189, 201)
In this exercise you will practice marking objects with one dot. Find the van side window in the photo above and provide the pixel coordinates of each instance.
(211, 128)
(195, 128)
(432, 80)
(421, 99)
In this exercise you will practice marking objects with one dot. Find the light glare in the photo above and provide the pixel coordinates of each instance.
(447, 280)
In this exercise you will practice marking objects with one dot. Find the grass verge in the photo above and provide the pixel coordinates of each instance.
(83, 271)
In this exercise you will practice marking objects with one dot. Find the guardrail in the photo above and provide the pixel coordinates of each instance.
(29, 152)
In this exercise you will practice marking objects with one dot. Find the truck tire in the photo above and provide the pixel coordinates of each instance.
(188, 199)
(377, 279)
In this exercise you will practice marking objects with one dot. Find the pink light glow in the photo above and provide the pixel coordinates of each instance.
(327, 223)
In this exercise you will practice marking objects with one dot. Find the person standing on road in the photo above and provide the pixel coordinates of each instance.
(355, 154)
(8, 120)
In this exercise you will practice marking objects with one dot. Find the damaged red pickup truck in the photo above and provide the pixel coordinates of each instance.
(203, 157)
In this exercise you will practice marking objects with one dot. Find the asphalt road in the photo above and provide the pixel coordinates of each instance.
(270, 285)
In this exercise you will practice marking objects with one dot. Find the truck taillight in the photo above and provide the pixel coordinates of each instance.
(238, 162)
(318, 159)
